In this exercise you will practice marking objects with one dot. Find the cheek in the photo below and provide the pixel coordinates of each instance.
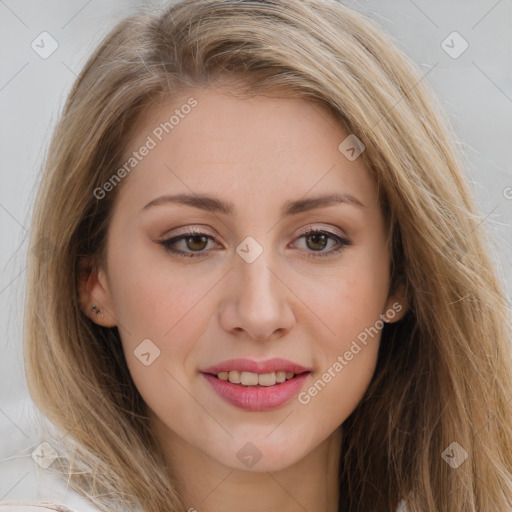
(351, 308)
(167, 308)
(353, 297)
(170, 311)
(347, 358)
(151, 296)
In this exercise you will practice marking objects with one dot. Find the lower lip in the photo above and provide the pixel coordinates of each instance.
(257, 398)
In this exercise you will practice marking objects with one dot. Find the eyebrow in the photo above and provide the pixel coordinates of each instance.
(215, 205)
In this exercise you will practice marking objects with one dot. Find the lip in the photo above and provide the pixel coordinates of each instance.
(248, 365)
(257, 398)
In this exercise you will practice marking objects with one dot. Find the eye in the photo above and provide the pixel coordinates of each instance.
(194, 244)
(193, 241)
(317, 240)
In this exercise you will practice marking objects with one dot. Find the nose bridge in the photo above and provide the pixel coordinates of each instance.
(258, 302)
(257, 287)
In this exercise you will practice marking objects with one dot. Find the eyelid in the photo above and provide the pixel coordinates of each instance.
(328, 228)
(185, 230)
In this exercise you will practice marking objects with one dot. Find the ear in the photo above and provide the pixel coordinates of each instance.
(93, 290)
(396, 306)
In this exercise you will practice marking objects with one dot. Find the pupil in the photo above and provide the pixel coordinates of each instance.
(202, 239)
(315, 237)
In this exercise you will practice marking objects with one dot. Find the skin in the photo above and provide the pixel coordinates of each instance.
(256, 153)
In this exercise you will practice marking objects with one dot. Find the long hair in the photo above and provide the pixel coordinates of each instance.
(443, 373)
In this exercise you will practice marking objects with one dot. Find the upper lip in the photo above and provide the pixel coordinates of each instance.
(248, 365)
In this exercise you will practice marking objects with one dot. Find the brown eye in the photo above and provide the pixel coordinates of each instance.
(187, 244)
(318, 241)
(196, 242)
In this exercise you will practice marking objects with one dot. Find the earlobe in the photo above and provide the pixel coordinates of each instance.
(94, 294)
(97, 310)
(396, 306)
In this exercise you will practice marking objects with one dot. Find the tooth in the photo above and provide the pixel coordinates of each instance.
(234, 376)
(249, 378)
(267, 379)
(253, 379)
(280, 376)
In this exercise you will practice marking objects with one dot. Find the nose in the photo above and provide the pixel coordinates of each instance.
(257, 302)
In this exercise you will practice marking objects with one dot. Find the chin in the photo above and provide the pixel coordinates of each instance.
(261, 455)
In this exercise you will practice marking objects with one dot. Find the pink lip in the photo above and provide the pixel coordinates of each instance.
(247, 365)
(259, 398)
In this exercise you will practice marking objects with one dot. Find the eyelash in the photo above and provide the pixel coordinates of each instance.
(167, 244)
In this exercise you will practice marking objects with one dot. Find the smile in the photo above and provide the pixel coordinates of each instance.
(257, 386)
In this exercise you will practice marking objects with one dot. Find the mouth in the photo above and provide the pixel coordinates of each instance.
(257, 386)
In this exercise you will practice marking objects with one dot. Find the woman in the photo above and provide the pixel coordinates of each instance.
(261, 280)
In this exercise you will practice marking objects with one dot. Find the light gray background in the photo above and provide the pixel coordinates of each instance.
(475, 89)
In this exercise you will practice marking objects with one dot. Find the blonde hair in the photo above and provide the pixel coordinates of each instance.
(443, 373)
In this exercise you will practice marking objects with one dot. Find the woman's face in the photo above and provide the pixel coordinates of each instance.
(286, 271)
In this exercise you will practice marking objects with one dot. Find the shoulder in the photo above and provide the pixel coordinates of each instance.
(15, 506)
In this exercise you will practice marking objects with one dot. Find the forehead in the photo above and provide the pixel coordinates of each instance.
(210, 140)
